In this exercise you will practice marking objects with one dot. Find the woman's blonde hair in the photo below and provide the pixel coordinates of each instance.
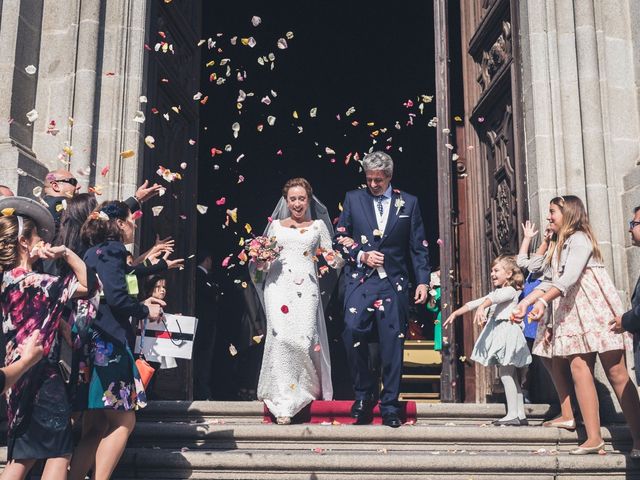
(574, 219)
(509, 264)
(9, 256)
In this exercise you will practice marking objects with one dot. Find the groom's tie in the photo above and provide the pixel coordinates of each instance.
(379, 204)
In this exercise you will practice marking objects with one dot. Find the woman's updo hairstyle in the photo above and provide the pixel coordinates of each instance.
(297, 182)
(102, 224)
(9, 226)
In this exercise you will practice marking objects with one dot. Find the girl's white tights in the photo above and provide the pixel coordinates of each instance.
(513, 392)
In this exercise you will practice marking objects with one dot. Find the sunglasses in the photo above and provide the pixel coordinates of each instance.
(70, 181)
(633, 224)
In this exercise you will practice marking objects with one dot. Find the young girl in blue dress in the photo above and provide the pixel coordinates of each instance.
(502, 340)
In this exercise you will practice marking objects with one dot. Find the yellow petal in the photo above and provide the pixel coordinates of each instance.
(7, 211)
(127, 154)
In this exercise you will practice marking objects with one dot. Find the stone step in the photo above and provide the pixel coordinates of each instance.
(323, 464)
(424, 437)
(253, 411)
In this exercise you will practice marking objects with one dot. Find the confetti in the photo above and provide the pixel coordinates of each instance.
(233, 214)
(284, 309)
(156, 210)
(282, 44)
(139, 117)
(32, 115)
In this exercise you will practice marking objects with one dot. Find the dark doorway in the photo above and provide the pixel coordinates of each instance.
(342, 55)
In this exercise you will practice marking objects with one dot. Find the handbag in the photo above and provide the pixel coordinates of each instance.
(145, 369)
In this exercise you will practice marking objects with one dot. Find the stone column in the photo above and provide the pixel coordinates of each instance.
(57, 80)
(85, 88)
(120, 86)
(20, 23)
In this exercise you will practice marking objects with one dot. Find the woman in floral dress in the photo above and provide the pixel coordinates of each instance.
(585, 302)
(38, 408)
(115, 388)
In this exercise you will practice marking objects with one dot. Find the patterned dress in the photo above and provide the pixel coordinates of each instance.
(38, 407)
(589, 302)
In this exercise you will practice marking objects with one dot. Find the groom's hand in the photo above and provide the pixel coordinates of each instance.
(373, 259)
(421, 294)
(346, 241)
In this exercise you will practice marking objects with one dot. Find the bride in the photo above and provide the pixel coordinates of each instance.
(296, 368)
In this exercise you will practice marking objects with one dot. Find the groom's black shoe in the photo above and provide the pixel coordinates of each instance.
(391, 420)
(362, 410)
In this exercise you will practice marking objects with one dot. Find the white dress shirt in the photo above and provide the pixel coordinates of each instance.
(381, 220)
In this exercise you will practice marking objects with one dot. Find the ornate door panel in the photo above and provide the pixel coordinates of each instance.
(495, 161)
(173, 77)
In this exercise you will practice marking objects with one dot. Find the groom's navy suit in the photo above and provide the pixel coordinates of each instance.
(369, 298)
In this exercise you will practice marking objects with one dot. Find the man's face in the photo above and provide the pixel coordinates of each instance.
(377, 181)
(634, 229)
(63, 184)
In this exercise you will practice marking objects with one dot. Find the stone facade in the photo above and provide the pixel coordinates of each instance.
(90, 58)
(580, 75)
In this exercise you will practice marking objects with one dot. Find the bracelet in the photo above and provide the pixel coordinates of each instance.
(543, 301)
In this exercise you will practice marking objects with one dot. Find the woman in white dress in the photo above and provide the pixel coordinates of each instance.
(296, 368)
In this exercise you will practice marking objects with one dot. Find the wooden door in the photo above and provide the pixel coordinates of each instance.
(173, 77)
(493, 159)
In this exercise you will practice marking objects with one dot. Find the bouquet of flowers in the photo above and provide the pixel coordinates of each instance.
(262, 252)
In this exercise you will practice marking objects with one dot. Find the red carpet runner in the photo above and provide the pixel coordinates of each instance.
(339, 411)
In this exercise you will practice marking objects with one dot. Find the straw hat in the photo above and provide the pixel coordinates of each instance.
(26, 207)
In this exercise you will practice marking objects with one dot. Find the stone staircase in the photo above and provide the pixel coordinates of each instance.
(227, 440)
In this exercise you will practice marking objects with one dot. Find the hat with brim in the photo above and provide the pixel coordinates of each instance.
(26, 207)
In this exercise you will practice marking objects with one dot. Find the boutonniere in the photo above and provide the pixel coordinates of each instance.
(399, 204)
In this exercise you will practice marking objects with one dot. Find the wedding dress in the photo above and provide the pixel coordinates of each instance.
(296, 367)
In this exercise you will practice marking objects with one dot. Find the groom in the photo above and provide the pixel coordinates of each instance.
(379, 230)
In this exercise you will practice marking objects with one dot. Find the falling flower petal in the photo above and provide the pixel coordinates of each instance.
(149, 142)
(30, 69)
(255, 21)
(271, 120)
(247, 227)
(139, 117)
(202, 209)
(316, 348)
(156, 210)
(129, 153)
(313, 112)
(257, 338)
(37, 191)
(232, 350)
(282, 44)
(32, 115)
(284, 309)
(104, 171)
(221, 201)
